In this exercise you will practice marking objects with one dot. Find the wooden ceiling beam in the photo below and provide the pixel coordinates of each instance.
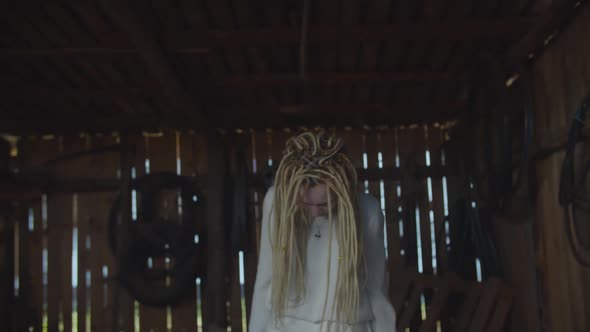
(272, 120)
(545, 29)
(51, 118)
(246, 82)
(155, 61)
(468, 29)
(200, 41)
(409, 107)
(323, 79)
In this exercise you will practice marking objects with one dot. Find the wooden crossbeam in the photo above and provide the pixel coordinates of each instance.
(247, 82)
(274, 80)
(332, 115)
(247, 116)
(45, 182)
(199, 41)
(400, 108)
(234, 83)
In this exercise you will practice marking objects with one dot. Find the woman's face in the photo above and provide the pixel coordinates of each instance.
(315, 200)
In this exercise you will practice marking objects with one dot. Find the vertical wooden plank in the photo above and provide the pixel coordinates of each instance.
(576, 88)
(95, 208)
(262, 155)
(184, 315)
(424, 213)
(235, 294)
(83, 289)
(254, 229)
(200, 154)
(438, 187)
(369, 141)
(161, 152)
(277, 145)
(557, 252)
(353, 146)
(423, 199)
(216, 290)
(412, 190)
(120, 305)
(468, 308)
(501, 312)
(8, 309)
(235, 289)
(71, 277)
(29, 317)
(409, 193)
(435, 140)
(388, 146)
(436, 307)
(30, 155)
(58, 222)
(413, 307)
(485, 305)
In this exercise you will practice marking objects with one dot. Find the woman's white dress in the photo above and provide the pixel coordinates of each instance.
(375, 313)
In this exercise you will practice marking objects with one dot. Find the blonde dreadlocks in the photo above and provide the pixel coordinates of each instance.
(310, 159)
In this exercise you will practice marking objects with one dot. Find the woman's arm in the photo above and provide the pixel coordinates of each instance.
(383, 312)
(260, 314)
(375, 249)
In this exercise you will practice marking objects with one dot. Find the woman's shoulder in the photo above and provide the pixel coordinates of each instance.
(368, 202)
(369, 210)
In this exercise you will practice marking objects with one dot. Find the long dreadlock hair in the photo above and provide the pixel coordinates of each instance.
(310, 159)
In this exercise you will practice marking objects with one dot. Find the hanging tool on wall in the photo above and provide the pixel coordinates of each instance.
(158, 248)
(499, 125)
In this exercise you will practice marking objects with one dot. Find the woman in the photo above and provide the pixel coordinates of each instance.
(322, 259)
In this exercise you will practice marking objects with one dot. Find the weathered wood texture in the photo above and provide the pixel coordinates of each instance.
(561, 79)
(385, 151)
(185, 63)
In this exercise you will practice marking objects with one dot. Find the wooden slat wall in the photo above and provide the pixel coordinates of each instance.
(561, 79)
(381, 148)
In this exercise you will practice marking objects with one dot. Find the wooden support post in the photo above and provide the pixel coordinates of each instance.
(516, 249)
(6, 270)
(121, 313)
(216, 288)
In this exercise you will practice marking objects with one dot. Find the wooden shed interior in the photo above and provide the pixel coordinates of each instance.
(129, 124)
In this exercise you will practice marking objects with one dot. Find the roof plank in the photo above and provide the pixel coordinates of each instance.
(155, 61)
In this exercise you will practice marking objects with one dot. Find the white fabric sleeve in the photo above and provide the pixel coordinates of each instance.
(385, 319)
(375, 250)
(260, 314)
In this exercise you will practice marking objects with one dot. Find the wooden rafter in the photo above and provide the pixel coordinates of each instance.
(201, 40)
(546, 28)
(246, 82)
(155, 61)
